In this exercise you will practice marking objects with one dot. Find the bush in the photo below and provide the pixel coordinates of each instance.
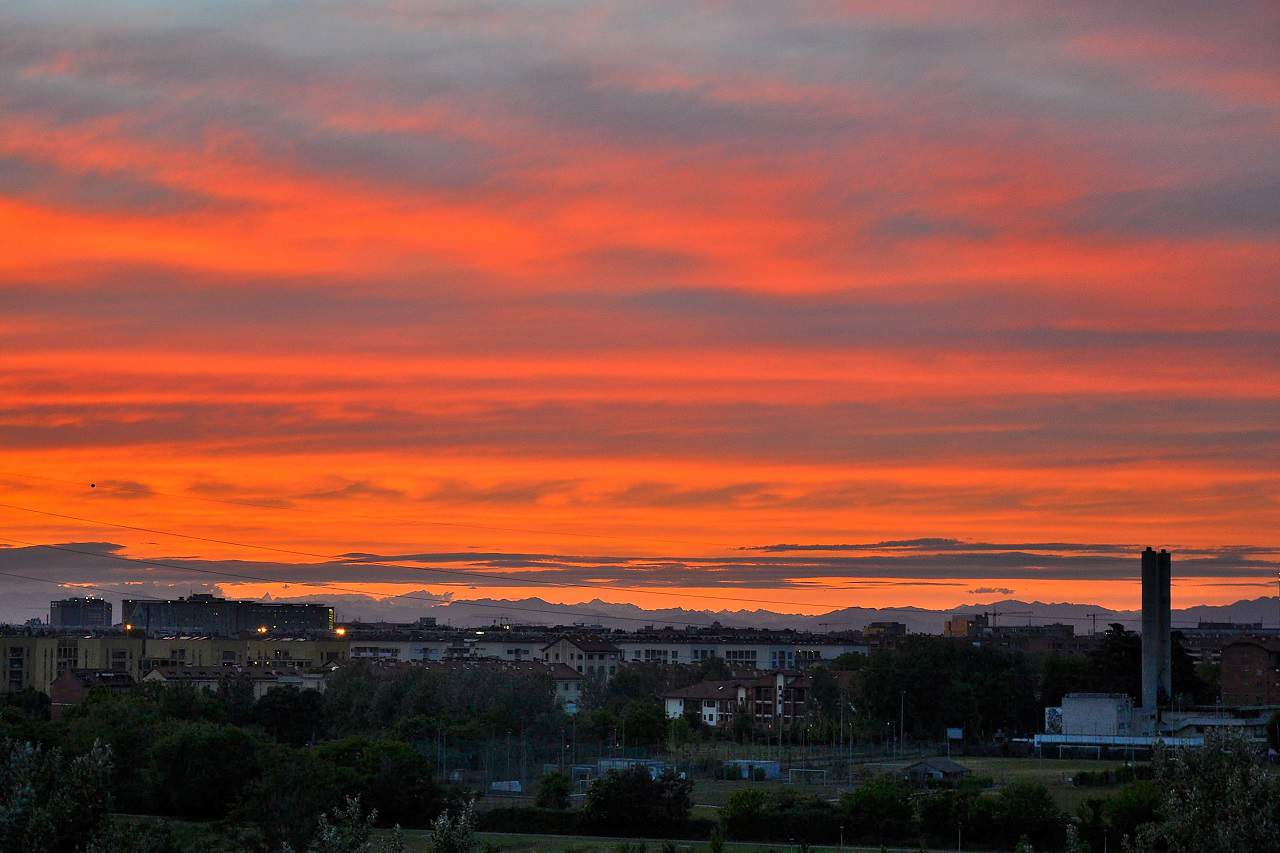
(778, 814)
(534, 821)
(632, 802)
(349, 830)
(1132, 807)
(880, 810)
(553, 792)
(1026, 809)
(454, 833)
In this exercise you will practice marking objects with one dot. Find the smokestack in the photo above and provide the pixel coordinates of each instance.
(1157, 649)
(1165, 561)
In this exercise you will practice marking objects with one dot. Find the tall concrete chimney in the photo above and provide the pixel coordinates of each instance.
(1157, 649)
(1165, 561)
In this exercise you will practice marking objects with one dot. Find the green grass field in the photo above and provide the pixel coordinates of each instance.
(1054, 773)
(417, 842)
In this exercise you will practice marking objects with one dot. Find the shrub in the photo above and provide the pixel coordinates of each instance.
(880, 810)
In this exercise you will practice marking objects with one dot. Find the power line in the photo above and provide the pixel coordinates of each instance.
(66, 584)
(148, 492)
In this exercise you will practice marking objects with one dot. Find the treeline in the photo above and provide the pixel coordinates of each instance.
(269, 768)
(883, 810)
(935, 684)
(628, 803)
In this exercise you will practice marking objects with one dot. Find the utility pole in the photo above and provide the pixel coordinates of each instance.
(902, 705)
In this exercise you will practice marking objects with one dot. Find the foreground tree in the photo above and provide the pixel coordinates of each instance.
(49, 804)
(454, 833)
(348, 829)
(1216, 799)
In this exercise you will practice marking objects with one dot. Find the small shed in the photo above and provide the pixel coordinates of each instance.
(935, 770)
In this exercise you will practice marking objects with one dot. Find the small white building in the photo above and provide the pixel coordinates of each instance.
(1098, 714)
(568, 686)
(715, 702)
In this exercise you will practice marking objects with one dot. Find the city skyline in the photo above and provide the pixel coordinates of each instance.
(824, 304)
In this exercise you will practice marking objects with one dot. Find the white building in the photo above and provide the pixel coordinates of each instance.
(744, 654)
(1099, 714)
(586, 656)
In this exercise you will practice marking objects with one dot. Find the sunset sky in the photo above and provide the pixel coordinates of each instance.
(653, 297)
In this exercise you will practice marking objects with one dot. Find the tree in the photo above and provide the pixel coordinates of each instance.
(28, 701)
(744, 815)
(849, 662)
(713, 669)
(127, 725)
(49, 804)
(198, 768)
(1027, 810)
(1117, 662)
(389, 775)
(1273, 731)
(349, 830)
(778, 814)
(939, 814)
(553, 792)
(632, 802)
(1127, 811)
(131, 837)
(454, 833)
(1215, 799)
(1188, 686)
(289, 714)
(1060, 675)
(285, 803)
(594, 692)
(642, 682)
(879, 810)
(942, 683)
(824, 692)
(744, 725)
(645, 721)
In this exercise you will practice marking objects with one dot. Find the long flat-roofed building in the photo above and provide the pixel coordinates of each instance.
(213, 616)
(80, 613)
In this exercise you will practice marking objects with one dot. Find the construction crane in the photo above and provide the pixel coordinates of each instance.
(992, 615)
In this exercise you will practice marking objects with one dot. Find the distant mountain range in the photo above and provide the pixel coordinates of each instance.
(480, 612)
